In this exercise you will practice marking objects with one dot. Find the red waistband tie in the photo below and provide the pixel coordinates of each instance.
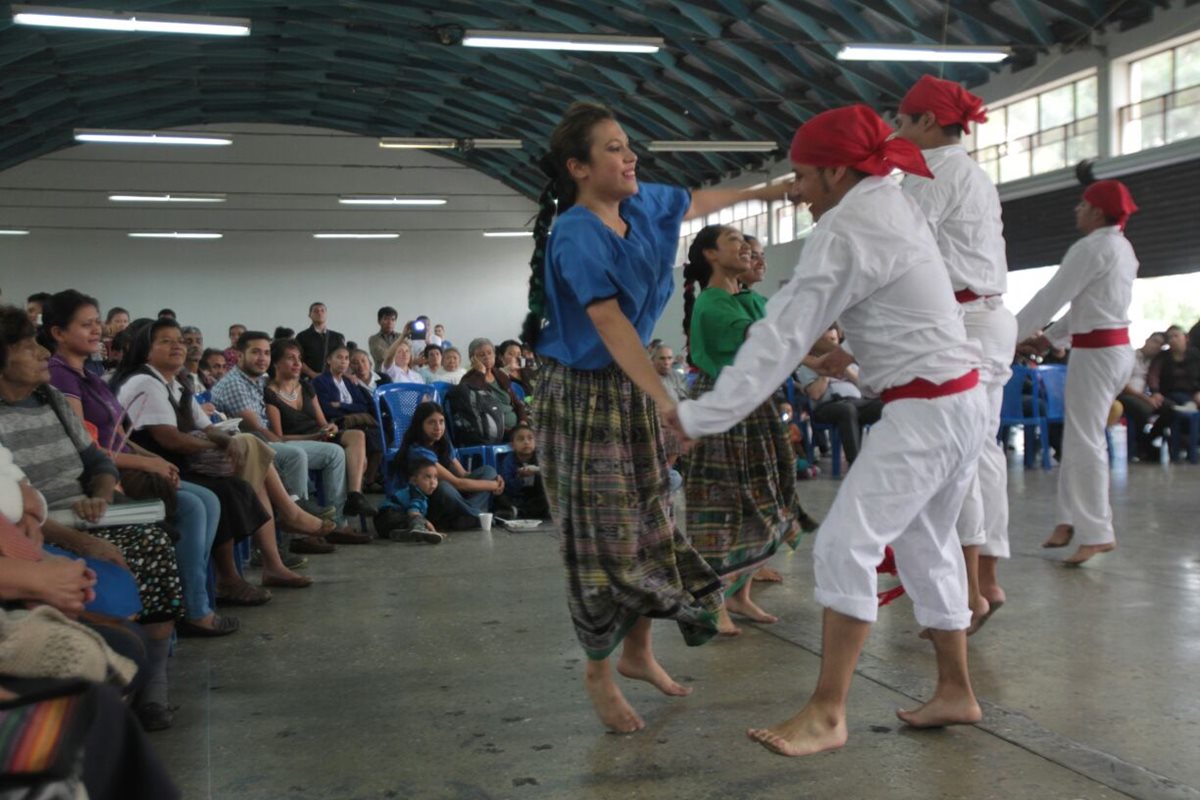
(1101, 338)
(921, 389)
(967, 296)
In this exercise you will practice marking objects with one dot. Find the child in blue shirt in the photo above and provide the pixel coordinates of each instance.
(522, 476)
(403, 514)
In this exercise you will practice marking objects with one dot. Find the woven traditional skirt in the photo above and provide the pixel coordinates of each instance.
(604, 466)
(741, 493)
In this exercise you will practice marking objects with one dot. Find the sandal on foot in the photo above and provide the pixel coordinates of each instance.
(244, 595)
(221, 626)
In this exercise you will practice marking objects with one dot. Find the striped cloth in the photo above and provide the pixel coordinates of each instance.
(741, 493)
(38, 738)
(49, 457)
(604, 468)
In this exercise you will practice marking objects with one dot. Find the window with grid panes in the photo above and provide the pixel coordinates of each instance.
(749, 216)
(1164, 98)
(1053, 129)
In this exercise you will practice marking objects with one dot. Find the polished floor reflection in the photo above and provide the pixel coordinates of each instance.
(415, 671)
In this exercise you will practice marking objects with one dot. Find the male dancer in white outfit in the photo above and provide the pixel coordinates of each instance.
(1096, 277)
(963, 209)
(872, 264)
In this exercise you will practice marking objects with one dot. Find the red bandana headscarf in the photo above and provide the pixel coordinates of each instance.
(1113, 198)
(950, 103)
(855, 136)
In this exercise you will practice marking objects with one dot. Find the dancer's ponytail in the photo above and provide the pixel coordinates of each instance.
(571, 139)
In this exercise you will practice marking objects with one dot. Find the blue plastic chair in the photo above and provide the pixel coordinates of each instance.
(1053, 379)
(400, 401)
(518, 391)
(1012, 412)
(488, 454)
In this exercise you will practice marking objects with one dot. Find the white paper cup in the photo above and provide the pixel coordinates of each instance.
(485, 521)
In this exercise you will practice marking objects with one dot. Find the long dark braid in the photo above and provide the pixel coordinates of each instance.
(697, 270)
(572, 138)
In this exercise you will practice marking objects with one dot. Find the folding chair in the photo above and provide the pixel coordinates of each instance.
(1012, 412)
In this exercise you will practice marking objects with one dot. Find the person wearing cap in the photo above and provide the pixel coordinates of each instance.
(872, 264)
(1096, 277)
(963, 210)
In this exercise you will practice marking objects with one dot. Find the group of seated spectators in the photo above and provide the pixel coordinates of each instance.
(134, 459)
(1163, 384)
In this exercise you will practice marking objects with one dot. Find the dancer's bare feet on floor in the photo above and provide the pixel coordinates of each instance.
(648, 669)
(725, 626)
(611, 706)
(810, 731)
(946, 708)
(768, 575)
(745, 607)
(1061, 537)
(1086, 551)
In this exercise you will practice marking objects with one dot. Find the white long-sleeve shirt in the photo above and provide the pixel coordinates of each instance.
(12, 503)
(963, 209)
(873, 265)
(1096, 277)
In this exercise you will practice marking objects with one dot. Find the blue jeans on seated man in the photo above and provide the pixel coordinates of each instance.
(450, 510)
(295, 459)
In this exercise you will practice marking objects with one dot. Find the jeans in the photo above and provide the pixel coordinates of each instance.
(197, 513)
(295, 459)
(450, 510)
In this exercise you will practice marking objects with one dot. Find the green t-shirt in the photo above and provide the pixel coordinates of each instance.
(719, 323)
(754, 302)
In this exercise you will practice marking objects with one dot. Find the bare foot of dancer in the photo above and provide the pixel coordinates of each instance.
(811, 731)
(1086, 551)
(610, 705)
(768, 575)
(638, 668)
(1061, 536)
(745, 607)
(946, 708)
(725, 626)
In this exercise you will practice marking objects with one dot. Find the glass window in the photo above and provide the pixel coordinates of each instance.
(1057, 106)
(1164, 99)
(1151, 76)
(1187, 65)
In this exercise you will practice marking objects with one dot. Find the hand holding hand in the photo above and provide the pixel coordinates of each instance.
(672, 422)
(65, 583)
(499, 486)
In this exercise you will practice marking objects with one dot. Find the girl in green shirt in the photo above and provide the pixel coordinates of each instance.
(741, 485)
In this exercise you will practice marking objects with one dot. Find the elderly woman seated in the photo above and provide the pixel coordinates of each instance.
(48, 443)
(345, 408)
(483, 376)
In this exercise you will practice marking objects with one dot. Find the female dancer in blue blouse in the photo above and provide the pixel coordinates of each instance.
(599, 283)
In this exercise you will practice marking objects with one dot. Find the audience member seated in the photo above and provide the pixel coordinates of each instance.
(33, 307)
(233, 355)
(484, 377)
(237, 470)
(115, 321)
(1138, 406)
(363, 369)
(1174, 380)
(317, 341)
(211, 367)
(193, 340)
(166, 313)
(49, 445)
(72, 326)
(523, 489)
(460, 496)
(839, 401)
(240, 394)
(282, 332)
(294, 414)
(433, 369)
(378, 343)
(509, 356)
(397, 363)
(438, 336)
(664, 360)
(452, 369)
(404, 515)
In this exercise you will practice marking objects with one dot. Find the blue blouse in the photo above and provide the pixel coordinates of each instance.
(587, 262)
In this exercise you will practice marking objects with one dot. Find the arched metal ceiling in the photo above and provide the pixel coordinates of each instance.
(732, 69)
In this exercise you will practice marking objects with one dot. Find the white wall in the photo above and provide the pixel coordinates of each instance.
(282, 185)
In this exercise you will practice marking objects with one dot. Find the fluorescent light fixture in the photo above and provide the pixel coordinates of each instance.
(129, 21)
(967, 54)
(520, 40)
(13, 232)
(356, 236)
(711, 147)
(493, 144)
(152, 137)
(508, 234)
(174, 235)
(417, 143)
(388, 200)
(167, 198)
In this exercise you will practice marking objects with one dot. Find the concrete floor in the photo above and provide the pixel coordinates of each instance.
(413, 671)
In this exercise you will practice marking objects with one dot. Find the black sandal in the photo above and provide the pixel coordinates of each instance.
(222, 626)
